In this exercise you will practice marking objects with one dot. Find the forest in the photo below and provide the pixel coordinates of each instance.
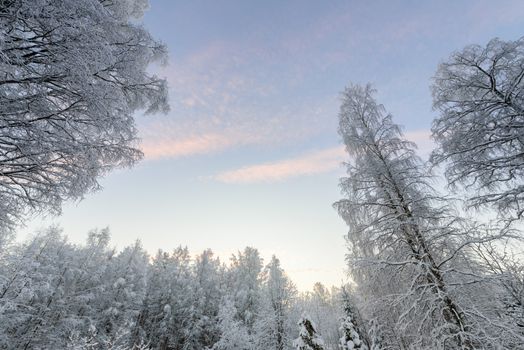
(58, 295)
(434, 248)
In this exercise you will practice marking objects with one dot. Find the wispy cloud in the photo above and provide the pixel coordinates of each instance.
(219, 103)
(199, 144)
(169, 138)
(312, 163)
(316, 162)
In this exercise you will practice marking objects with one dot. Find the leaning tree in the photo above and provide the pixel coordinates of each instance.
(406, 245)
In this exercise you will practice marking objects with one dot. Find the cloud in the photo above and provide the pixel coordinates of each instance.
(317, 162)
(193, 145)
(170, 144)
(169, 138)
(201, 132)
(313, 163)
(219, 102)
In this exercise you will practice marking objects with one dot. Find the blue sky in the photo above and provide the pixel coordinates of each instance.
(249, 154)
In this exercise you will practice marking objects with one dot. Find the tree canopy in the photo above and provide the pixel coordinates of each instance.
(479, 94)
(72, 74)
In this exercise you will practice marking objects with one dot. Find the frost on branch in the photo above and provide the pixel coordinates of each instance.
(72, 74)
(480, 130)
(409, 252)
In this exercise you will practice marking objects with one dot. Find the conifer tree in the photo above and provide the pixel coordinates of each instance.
(273, 326)
(308, 338)
(352, 335)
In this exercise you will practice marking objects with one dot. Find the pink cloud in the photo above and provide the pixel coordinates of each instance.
(184, 147)
(213, 108)
(309, 164)
(215, 133)
(313, 163)
(205, 143)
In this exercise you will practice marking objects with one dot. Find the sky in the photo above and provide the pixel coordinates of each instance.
(249, 154)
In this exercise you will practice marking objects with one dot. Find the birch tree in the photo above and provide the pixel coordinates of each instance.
(479, 92)
(504, 266)
(72, 74)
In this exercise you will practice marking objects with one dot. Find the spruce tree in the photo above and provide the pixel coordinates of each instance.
(308, 338)
(352, 335)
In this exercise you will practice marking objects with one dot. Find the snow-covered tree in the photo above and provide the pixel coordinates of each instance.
(506, 269)
(73, 72)
(168, 306)
(375, 335)
(325, 308)
(245, 283)
(308, 338)
(479, 92)
(55, 294)
(233, 332)
(353, 336)
(273, 325)
(207, 295)
(121, 296)
(399, 230)
(29, 275)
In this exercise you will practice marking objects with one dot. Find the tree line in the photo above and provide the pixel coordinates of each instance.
(58, 295)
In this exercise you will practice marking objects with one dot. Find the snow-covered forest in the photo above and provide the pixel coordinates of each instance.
(57, 295)
(434, 248)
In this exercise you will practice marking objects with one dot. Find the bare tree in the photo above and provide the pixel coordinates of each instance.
(72, 73)
(480, 131)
